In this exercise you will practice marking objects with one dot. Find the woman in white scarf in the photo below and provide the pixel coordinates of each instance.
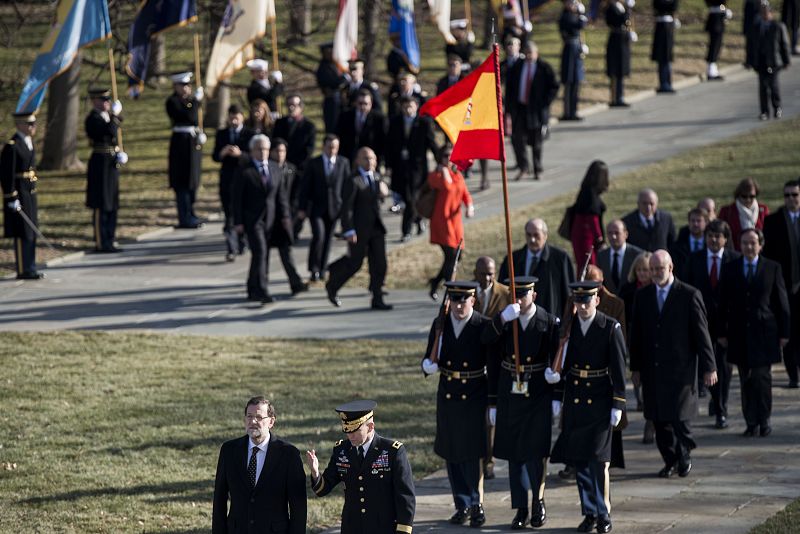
(745, 212)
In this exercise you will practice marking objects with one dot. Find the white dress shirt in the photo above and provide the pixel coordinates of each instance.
(586, 323)
(525, 318)
(27, 139)
(458, 326)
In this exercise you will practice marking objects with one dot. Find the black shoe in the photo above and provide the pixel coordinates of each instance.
(110, 250)
(722, 422)
(665, 91)
(667, 472)
(619, 104)
(315, 277)
(587, 524)
(539, 515)
(267, 300)
(302, 288)
(380, 305)
(459, 517)
(477, 516)
(332, 296)
(230, 257)
(793, 384)
(568, 473)
(685, 468)
(254, 298)
(30, 276)
(765, 431)
(750, 432)
(603, 524)
(518, 523)
(715, 78)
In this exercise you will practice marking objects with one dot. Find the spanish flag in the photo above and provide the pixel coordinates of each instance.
(469, 113)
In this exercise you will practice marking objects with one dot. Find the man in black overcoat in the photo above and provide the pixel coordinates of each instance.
(664, 41)
(362, 126)
(782, 244)
(618, 49)
(262, 478)
(689, 241)
(299, 133)
(649, 228)
(520, 405)
(754, 326)
(550, 264)
(669, 345)
(768, 53)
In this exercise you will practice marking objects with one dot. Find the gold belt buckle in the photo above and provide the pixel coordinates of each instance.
(519, 388)
(456, 374)
(584, 374)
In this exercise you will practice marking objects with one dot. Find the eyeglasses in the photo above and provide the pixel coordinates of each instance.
(256, 418)
(747, 197)
(787, 195)
(294, 104)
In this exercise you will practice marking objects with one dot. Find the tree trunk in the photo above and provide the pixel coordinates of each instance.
(157, 64)
(61, 136)
(299, 21)
(217, 107)
(372, 13)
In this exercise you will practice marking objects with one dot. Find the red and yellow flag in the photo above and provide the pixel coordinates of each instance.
(469, 113)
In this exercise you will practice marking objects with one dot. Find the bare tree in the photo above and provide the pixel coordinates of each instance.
(61, 141)
(299, 20)
(373, 9)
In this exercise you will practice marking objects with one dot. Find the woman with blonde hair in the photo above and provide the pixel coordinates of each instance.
(260, 119)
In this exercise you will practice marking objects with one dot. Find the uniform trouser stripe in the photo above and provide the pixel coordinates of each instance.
(606, 487)
(541, 486)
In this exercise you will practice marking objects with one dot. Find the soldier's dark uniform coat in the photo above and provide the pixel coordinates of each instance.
(379, 494)
(570, 25)
(524, 422)
(102, 187)
(664, 35)
(461, 402)
(16, 159)
(618, 48)
(257, 91)
(185, 153)
(587, 401)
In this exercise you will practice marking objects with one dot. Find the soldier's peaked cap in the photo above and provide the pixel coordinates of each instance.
(522, 284)
(100, 92)
(582, 291)
(181, 77)
(25, 116)
(355, 413)
(462, 287)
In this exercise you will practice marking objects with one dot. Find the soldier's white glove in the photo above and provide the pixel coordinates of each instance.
(14, 205)
(116, 107)
(277, 76)
(581, 8)
(677, 24)
(202, 138)
(556, 407)
(122, 158)
(429, 367)
(728, 14)
(616, 416)
(619, 7)
(199, 94)
(630, 3)
(492, 416)
(634, 37)
(528, 26)
(471, 37)
(584, 19)
(551, 377)
(510, 312)
(585, 49)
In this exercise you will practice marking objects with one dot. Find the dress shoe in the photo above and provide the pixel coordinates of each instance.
(520, 175)
(716, 78)
(667, 472)
(537, 175)
(722, 422)
(254, 298)
(684, 469)
(110, 250)
(315, 277)
(488, 472)
(793, 384)
(521, 517)
(459, 517)
(30, 276)
(765, 431)
(267, 300)
(619, 104)
(302, 288)
(665, 91)
(539, 515)
(763, 117)
(587, 524)
(568, 473)
(750, 432)
(778, 113)
(380, 305)
(477, 516)
(603, 524)
(332, 296)
(229, 257)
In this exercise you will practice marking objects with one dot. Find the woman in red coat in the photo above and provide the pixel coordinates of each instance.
(745, 212)
(446, 228)
(587, 214)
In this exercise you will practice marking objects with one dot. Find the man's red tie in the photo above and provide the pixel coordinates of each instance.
(713, 276)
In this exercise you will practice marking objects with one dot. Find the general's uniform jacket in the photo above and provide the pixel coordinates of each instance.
(461, 399)
(18, 178)
(185, 153)
(592, 383)
(378, 495)
(102, 187)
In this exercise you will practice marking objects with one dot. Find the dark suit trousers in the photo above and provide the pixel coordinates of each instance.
(464, 480)
(25, 255)
(791, 352)
(257, 280)
(287, 260)
(768, 90)
(320, 247)
(674, 441)
(105, 228)
(714, 46)
(571, 99)
(521, 137)
(184, 201)
(373, 247)
(234, 242)
(720, 390)
(756, 394)
(409, 212)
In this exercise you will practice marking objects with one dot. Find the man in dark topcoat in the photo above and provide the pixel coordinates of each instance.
(362, 126)
(663, 42)
(520, 409)
(299, 133)
(767, 53)
(689, 241)
(266, 86)
(378, 484)
(405, 86)
(102, 173)
(754, 326)
(258, 198)
(551, 265)
(669, 345)
(321, 201)
(262, 477)
(618, 49)
(703, 272)
(782, 244)
(531, 87)
(616, 260)
(230, 144)
(649, 228)
(461, 399)
(355, 83)
(790, 16)
(330, 81)
(18, 179)
(715, 26)
(453, 76)
(570, 24)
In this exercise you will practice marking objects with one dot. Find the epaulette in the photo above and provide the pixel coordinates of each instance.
(338, 443)
(12, 142)
(397, 444)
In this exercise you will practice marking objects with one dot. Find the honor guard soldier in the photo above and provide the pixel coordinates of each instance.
(461, 400)
(520, 399)
(185, 147)
(618, 48)
(570, 25)
(379, 488)
(593, 391)
(663, 41)
(18, 178)
(266, 86)
(102, 175)
(718, 14)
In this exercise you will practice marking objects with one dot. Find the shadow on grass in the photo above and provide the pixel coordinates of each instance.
(195, 490)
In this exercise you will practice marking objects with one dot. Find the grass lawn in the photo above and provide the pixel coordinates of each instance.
(784, 522)
(147, 203)
(120, 432)
(768, 154)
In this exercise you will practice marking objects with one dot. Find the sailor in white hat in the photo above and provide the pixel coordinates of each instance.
(266, 85)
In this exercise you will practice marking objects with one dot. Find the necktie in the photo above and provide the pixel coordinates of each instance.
(649, 224)
(713, 276)
(251, 467)
(264, 170)
(662, 297)
(534, 264)
(528, 81)
(359, 122)
(750, 272)
(360, 455)
(233, 137)
(371, 181)
(615, 270)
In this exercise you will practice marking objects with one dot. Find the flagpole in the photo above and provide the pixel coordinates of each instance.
(509, 251)
(113, 70)
(526, 12)
(275, 63)
(199, 81)
(468, 15)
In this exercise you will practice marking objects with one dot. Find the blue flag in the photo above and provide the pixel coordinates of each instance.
(78, 23)
(154, 17)
(402, 23)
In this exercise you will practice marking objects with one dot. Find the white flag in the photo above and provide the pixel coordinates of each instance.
(345, 38)
(440, 15)
(270, 10)
(244, 22)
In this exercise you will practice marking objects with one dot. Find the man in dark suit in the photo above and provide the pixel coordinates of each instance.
(299, 132)
(229, 145)
(754, 326)
(616, 260)
(355, 83)
(362, 126)
(690, 239)
(768, 52)
(649, 228)
(406, 86)
(551, 265)
(363, 229)
(703, 271)
(410, 138)
(669, 344)
(531, 86)
(782, 244)
(379, 487)
(262, 477)
(257, 200)
(321, 201)
(453, 76)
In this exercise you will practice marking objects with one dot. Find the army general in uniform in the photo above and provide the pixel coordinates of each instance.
(461, 400)
(379, 487)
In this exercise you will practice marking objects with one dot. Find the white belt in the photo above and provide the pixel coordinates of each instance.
(664, 18)
(717, 9)
(185, 129)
